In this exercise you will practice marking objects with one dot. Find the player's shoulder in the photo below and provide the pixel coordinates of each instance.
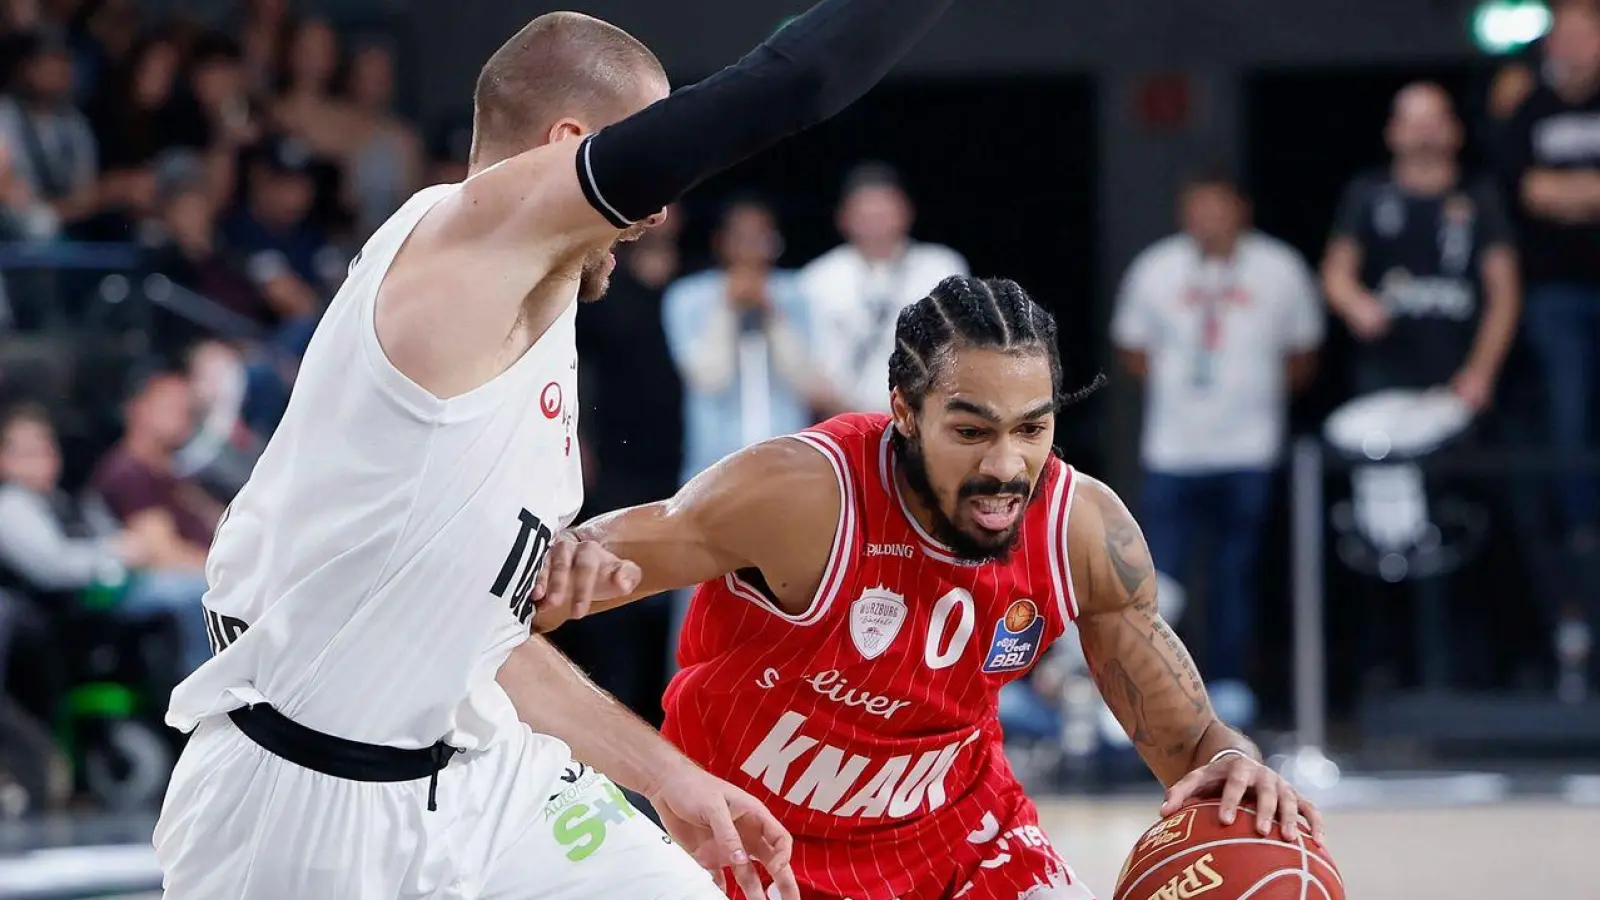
(1104, 546)
(1095, 505)
(850, 432)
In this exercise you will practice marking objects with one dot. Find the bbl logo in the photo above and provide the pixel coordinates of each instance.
(1016, 639)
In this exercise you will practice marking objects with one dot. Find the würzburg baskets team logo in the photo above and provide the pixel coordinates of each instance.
(875, 620)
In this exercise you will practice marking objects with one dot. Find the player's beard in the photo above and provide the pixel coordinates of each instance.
(595, 277)
(977, 548)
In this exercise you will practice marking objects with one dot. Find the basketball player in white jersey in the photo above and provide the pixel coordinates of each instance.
(377, 722)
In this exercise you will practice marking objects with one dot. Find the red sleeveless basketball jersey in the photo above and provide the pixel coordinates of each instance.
(871, 717)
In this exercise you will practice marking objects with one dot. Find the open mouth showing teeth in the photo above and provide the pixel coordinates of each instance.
(995, 513)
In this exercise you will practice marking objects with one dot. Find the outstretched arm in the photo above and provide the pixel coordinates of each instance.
(808, 72)
(1147, 677)
(720, 825)
(773, 506)
(539, 212)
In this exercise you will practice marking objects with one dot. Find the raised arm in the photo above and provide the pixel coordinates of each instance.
(548, 210)
(806, 73)
(773, 507)
(1147, 677)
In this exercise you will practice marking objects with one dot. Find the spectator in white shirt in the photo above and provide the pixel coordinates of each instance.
(1220, 322)
(857, 289)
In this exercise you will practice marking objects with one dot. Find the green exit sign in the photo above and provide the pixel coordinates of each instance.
(1506, 26)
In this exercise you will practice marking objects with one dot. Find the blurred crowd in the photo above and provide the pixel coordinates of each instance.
(245, 161)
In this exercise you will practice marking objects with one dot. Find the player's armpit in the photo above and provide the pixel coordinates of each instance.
(1144, 672)
(773, 506)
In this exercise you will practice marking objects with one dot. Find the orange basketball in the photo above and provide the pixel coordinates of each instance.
(1192, 854)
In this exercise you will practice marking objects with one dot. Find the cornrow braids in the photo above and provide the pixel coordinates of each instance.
(964, 311)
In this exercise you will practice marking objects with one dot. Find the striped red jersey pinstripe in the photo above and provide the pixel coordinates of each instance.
(870, 719)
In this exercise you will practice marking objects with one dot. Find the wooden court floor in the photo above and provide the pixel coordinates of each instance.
(1510, 851)
(1517, 850)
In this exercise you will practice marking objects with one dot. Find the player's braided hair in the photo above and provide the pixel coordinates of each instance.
(964, 311)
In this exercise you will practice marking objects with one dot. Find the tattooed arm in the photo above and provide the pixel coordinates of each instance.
(1144, 672)
(1150, 682)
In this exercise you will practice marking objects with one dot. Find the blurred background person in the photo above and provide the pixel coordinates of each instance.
(223, 449)
(857, 289)
(51, 145)
(136, 480)
(1221, 323)
(1551, 153)
(741, 336)
(1554, 173)
(1422, 270)
(382, 153)
(52, 546)
(213, 113)
(23, 215)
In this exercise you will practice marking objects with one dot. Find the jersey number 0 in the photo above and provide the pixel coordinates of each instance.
(944, 647)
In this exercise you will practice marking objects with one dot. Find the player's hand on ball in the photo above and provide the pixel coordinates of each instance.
(723, 827)
(577, 573)
(1231, 778)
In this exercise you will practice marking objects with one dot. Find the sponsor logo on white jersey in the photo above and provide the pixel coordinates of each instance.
(875, 620)
(849, 785)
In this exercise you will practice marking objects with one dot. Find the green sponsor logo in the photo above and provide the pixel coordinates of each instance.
(581, 827)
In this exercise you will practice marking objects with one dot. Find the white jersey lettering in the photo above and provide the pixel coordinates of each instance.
(833, 685)
(826, 779)
(901, 786)
(770, 760)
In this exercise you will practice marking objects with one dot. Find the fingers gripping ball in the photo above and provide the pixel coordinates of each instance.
(1191, 854)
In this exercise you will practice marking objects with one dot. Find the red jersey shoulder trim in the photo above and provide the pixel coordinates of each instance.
(1061, 496)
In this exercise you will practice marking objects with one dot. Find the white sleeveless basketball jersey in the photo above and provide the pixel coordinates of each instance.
(375, 572)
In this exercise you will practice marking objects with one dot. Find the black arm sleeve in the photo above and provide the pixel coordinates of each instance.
(813, 68)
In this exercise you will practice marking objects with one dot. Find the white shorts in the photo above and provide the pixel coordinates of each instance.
(242, 824)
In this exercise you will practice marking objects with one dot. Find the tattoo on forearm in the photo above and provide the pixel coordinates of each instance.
(1145, 674)
(1122, 693)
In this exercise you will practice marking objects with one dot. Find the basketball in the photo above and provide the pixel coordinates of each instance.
(1192, 854)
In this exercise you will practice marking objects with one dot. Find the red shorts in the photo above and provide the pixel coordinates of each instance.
(1004, 855)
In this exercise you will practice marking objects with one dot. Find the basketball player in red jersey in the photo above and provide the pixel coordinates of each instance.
(868, 585)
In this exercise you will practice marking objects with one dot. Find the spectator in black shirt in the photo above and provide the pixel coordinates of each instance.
(1553, 153)
(1422, 269)
(1421, 266)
